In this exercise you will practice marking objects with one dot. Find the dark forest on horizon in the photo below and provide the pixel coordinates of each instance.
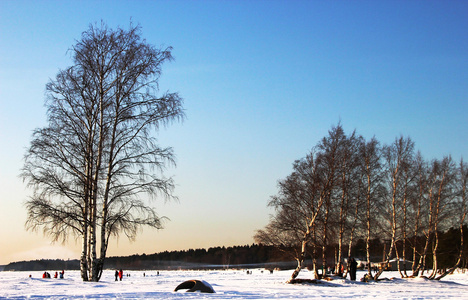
(241, 257)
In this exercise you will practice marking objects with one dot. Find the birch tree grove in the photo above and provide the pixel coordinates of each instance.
(349, 188)
(96, 166)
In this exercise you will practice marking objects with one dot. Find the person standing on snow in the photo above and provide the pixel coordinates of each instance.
(352, 268)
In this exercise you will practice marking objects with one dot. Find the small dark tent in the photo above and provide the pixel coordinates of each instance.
(195, 286)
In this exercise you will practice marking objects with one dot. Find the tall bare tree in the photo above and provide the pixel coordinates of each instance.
(418, 208)
(372, 187)
(96, 166)
(460, 210)
(436, 212)
(409, 196)
(297, 205)
(347, 202)
(444, 172)
(397, 156)
(333, 150)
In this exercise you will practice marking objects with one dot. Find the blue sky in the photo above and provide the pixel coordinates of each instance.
(263, 81)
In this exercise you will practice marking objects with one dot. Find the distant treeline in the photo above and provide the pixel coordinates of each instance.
(213, 258)
(43, 264)
(248, 256)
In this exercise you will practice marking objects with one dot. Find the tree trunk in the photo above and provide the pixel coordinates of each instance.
(339, 257)
(368, 224)
(310, 230)
(84, 256)
(105, 202)
(93, 246)
(434, 256)
(414, 269)
(84, 247)
(403, 250)
(324, 241)
(300, 260)
(94, 268)
(314, 252)
(398, 258)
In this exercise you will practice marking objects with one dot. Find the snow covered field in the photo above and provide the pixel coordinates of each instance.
(229, 284)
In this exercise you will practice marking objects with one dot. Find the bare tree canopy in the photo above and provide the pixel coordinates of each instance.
(95, 167)
(348, 188)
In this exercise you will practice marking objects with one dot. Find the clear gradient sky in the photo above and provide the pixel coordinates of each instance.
(263, 81)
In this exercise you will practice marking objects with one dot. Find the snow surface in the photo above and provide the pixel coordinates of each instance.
(229, 284)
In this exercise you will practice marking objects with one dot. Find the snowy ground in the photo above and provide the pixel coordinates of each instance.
(227, 284)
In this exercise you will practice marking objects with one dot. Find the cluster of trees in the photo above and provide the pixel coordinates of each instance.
(94, 166)
(349, 188)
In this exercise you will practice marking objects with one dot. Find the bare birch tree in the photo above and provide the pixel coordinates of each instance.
(436, 213)
(95, 166)
(418, 209)
(348, 203)
(335, 167)
(444, 193)
(299, 201)
(460, 211)
(371, 176)
(397, 156)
